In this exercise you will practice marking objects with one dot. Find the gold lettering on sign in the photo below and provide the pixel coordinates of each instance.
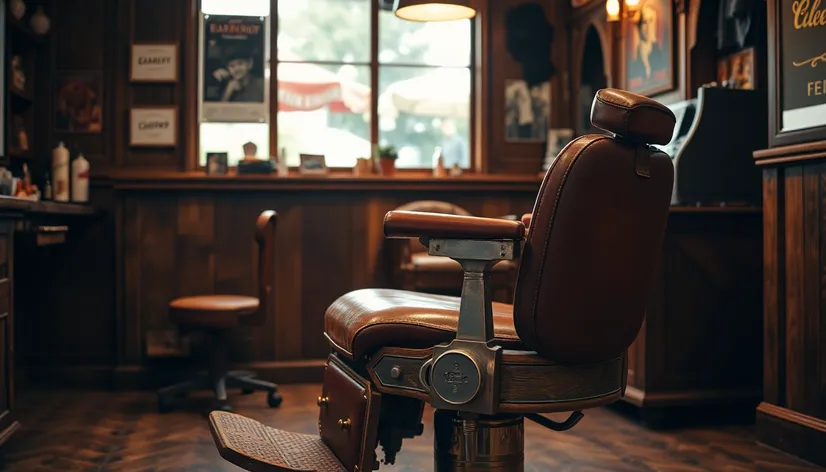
(812, 61)
(235, 28)
(808, 14)
(816, 88)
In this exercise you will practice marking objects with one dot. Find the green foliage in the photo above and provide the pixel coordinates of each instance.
(388, 152)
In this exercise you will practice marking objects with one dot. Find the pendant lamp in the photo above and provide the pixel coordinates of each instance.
(431, 10)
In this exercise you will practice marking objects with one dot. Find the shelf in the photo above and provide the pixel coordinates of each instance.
(21, 205)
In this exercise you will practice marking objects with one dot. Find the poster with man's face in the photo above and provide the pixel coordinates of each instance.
(649, 43)
(234, 87)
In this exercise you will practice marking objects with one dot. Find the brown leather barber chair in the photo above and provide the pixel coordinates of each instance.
(587, 265)
(216, 316)
(419, 271)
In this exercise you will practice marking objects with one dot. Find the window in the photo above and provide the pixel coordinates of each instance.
(329, 60)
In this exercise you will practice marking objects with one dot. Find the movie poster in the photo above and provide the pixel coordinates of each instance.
(234, 88)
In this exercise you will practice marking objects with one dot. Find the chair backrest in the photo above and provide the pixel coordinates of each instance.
(596, 233)
(413, 246)
(265, 237)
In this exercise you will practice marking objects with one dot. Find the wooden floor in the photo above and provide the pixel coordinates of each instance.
(102, 431)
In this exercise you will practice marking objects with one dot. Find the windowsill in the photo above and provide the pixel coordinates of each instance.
(334, 180)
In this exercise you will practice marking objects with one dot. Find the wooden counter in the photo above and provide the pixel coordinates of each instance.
(18, 219)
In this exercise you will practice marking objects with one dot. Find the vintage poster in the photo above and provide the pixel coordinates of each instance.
(649, 55)
(234, 60)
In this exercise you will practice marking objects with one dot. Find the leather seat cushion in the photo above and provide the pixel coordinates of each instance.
(426, 263)
(362, 321)
(212, 311)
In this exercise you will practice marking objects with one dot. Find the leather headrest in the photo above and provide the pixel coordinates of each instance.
(633, 117)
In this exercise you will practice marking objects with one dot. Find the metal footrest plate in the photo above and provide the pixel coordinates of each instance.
(259, 448)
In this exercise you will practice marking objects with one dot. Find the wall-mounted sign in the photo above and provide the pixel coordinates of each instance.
(154, 62)
(154, 127)
(797, 71)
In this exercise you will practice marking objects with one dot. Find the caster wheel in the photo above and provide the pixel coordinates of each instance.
(247, 391)
(164, 404)
(274, 399)
(223, 407)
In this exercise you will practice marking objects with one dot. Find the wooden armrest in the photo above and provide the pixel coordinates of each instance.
(414, 224)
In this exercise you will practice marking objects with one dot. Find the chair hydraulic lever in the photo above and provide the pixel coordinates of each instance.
(555, 425)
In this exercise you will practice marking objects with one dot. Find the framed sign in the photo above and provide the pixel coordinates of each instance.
(154, 62)
(649, 48)
(312, 164)
(797, 72)
(153, 127)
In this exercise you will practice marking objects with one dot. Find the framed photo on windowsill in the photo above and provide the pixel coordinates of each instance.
(312, 164)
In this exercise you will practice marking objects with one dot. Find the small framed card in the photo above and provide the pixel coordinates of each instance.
(154, 62)
(153, 127)
(312, 164)
(217, 163)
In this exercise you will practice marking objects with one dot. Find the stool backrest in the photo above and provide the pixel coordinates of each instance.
(265, 237)
(596, 234)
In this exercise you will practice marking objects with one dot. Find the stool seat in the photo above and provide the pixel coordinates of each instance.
(211, 311)
(363, 321)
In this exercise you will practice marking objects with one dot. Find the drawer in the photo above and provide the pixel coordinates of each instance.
(348, 416)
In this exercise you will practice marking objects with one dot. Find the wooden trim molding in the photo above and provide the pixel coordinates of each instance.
(148, 180)
(792, 432)
(791, 154)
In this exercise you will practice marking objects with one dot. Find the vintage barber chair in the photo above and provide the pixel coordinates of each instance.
(587, 264)
(418, 271)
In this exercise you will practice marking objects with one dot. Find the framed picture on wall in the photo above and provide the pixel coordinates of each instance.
(153, 127)
(737, 70)
(797, 75)
(79, 102)
(527, 111)
(154, 62)
(649, 48)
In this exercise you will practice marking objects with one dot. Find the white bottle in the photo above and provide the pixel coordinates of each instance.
(60, 173)
(80, 179)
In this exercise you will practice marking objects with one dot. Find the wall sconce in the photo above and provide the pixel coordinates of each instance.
(615, 11)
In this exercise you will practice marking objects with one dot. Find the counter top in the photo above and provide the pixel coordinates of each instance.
(20, 205)
(149, 180)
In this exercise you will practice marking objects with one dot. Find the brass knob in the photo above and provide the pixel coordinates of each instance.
(344, 424)
(322, 401)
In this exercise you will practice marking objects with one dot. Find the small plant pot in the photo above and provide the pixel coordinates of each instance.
(388, 166)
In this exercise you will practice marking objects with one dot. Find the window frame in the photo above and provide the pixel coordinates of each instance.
(192, 74)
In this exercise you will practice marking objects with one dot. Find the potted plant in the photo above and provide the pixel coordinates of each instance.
(387, 159)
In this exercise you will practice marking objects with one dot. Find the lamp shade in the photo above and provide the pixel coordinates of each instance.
(432, 10)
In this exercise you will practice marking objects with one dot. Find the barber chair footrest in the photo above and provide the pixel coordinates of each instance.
(259, 448)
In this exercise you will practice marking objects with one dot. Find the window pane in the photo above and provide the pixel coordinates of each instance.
(324, 30)
(236, 7)
(231, 137)
(443, 43)
(324, 109)
(423, 110)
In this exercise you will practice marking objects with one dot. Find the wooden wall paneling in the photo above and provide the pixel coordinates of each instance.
(813, 207)
(147, 25)
(795, 277)
(289, 278)
(774, 353)
(194, 246)
(517, 157)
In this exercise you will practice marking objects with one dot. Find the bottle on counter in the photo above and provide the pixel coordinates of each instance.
(60, 173)
(47, 188)
(80, 179)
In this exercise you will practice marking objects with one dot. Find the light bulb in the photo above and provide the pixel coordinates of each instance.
(612, 9)
(632, 5)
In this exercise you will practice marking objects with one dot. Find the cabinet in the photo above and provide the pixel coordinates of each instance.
(8, 424)
(698, 355)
